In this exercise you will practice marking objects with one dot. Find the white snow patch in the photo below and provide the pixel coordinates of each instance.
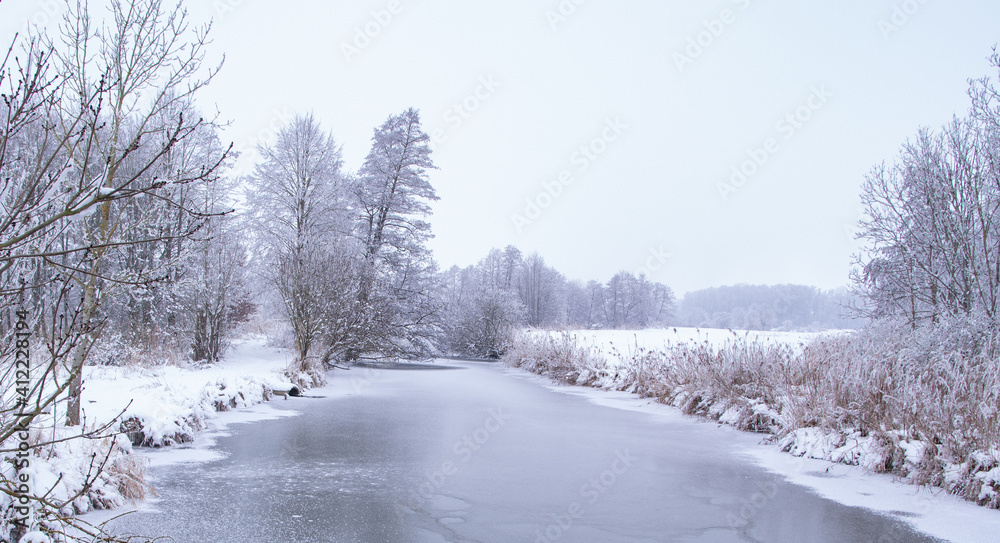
(35, 537)
(931, 511)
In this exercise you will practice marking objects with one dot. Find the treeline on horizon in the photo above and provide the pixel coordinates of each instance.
(485, 303)
(770, 307)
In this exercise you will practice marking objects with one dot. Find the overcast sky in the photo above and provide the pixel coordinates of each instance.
(663, 120)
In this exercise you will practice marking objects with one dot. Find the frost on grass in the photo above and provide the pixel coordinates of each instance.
(921, 404)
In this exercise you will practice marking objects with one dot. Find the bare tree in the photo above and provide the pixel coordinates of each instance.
(88, 123)
(127, 87)
(301, 210)
(930, 227)
(483, 310)
(215, 296)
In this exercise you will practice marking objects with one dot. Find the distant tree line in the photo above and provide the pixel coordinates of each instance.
(760, 307)
(483, 304)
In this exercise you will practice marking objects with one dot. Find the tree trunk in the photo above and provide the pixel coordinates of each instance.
(88, 308)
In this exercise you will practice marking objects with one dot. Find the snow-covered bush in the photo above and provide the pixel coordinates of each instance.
(560, 357)
(167, 416)
(307, 374)
(78, 475)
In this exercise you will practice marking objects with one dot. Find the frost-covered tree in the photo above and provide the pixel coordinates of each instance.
(542, 291)
(931, 224)
(920, 223)
(215, 294)
(168, 313)
(122, 110)
(482, 310)
(486, 303)
(301, 211)
(628, 301)
(88, 122)
(393, 193)
(456, 288)
(578, 308)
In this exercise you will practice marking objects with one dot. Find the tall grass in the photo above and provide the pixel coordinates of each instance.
(922, 404)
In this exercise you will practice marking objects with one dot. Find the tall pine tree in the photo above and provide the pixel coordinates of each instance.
(393, 195)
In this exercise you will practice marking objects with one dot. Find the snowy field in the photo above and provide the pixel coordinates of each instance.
(625, 342)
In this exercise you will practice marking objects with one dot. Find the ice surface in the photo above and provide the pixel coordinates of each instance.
(485, 454)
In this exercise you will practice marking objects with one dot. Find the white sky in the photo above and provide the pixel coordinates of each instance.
(654, 189)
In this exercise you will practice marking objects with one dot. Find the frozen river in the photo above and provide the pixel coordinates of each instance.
(478, 454)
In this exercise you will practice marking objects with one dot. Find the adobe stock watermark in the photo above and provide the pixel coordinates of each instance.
(712, 30)
(591, 491)
(23, 487)
(464, 109)
(222, 8)
(902, 13)
(462, 452)
(367, 379)
(562, 13)
(656, 260)
(750, 507)
(583, 158)
(787, 127)
(366, 33)
(280, 118)
(47, 12)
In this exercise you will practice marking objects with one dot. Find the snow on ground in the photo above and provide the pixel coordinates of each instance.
(928, 509)
(159, 406)
(171, 403)
(163, 396)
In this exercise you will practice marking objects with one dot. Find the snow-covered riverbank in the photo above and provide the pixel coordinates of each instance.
(159, 407)
(168, 404)
(760, 385)
(928, 510)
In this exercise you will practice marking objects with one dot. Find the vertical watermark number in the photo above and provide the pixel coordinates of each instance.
(23, 509)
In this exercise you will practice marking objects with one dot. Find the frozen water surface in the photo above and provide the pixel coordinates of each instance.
(479, 454)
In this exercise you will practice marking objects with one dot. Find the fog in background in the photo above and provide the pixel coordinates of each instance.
(667, 119)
